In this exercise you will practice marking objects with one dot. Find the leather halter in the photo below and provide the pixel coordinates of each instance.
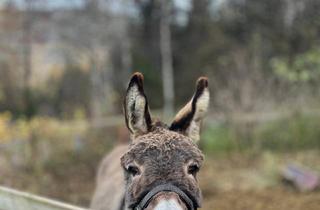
(144, 202)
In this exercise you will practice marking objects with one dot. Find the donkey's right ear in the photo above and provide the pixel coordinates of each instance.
(136, 108)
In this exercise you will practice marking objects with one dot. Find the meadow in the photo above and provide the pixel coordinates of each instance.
(58, 159)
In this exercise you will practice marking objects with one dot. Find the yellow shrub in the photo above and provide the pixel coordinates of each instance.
(55, 132)
(5, 129)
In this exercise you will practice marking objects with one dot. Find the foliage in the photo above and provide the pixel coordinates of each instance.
(39, 141)
(250, 50)
(305, 67)
(297, 132)
(5, 131)
(72, 92)
(217, 138)
(42, 128)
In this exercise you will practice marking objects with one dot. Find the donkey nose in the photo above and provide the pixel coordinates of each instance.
(166, 201)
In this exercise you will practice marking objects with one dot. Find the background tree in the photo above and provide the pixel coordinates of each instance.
(166, 58)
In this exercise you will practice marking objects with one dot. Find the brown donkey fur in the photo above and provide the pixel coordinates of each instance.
(159, 154)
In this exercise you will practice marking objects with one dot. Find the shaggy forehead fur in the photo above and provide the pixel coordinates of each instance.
(163, 142)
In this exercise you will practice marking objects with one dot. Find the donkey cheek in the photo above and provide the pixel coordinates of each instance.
(136, 190)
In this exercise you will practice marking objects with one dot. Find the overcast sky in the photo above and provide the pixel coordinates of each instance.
(184, 4)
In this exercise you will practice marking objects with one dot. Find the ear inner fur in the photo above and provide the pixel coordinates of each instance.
(136, 97)
(184, 120)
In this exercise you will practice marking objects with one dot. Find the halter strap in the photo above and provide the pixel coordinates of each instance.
(165, 188)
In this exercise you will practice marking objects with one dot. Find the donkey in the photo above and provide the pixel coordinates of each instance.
(158, 170)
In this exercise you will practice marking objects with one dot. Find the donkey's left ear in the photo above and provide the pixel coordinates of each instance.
(189, 118)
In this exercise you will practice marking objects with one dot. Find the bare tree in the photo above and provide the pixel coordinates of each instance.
(92, 32)
(126, 57)
(26, 37)
(27, 53)
(166, 58)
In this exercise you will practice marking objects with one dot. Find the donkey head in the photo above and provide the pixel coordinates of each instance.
(162, 162)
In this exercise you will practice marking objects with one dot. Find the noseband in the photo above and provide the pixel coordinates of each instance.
(144, 202)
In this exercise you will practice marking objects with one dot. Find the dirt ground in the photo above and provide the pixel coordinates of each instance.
(267, 199)
(228, 182)
(241, 182)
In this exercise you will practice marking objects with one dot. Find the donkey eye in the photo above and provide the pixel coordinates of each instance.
(133, 170)
(193, 169)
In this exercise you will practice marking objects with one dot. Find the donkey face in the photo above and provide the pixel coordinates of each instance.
(162, 162)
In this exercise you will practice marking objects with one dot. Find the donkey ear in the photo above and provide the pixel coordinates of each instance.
(136, 108)
(189, 118)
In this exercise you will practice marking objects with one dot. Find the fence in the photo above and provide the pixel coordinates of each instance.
(11, 199)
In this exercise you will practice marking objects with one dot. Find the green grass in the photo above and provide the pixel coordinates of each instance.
(298, 132)
(295, 133)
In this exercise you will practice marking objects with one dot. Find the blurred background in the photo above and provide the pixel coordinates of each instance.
(64, 67)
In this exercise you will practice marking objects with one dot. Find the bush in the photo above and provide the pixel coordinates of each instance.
(297, 132)
(218, 138)
(44, 141)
